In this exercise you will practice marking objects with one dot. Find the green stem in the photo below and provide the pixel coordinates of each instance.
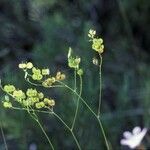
(100, 85)
(35, 84)
(77, 107)
(57, 116)
(50, 143)
(35, 117)
(3, 136)
(75, 80)
(63, 122)
(75, 140)
(85, 103)
(103, 132)
(30, 110)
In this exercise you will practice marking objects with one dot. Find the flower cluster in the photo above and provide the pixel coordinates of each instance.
(29, 99)
(74, 62)
(41, 75)
(97, 43)
(25, 66)
(51, 80)
(36, 74)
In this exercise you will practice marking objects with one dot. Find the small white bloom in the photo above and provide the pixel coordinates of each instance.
(69, 52)
(134, 138)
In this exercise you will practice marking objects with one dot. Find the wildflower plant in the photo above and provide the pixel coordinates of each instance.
(33, 101)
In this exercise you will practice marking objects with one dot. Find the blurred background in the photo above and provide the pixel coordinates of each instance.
(41, 31)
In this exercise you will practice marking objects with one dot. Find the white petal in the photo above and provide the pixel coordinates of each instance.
(141, 135)
(124, 142)
(130, 143)
(127, 134)
(136, 130)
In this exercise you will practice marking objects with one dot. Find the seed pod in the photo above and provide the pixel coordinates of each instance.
(95, 61)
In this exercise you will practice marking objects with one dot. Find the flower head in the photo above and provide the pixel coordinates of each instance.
(27, 65)
(91, 33)
(19, 94)
(97, 43)
(22, 66)
(31, 92)
(7, 104)
(134, 138)
(36, 74)
(60, 76)
(48, 82)
(9, 88)
(45, 72)
(80, 72)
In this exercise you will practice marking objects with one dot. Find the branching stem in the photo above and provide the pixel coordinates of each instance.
(77, 107)
(91, 110)
(35, 117)
(63, 122)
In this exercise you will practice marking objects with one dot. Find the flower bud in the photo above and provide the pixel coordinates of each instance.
(9, 88)
(29, 65)
(45, 72)
(7, 104)
(95, 61)
(22, 66)
(80, 72)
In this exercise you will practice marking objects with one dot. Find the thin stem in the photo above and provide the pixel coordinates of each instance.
(3, 136)
(75, 80)
(35, 117)
(75, 140)
(35, 84)
(77, 107)
(57, 116)
(63, 122)
(100, 85)
(85, 103)
(27, 109)
(103, 132)
(45, 135)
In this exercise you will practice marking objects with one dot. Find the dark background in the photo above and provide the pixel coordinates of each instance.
(41, 31)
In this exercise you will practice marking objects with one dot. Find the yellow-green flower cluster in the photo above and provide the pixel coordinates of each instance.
(36, 74)
(9, 88)
(19, 95)
(49, 102)
(74, 62)
(29, 99)
(97, 43)
(45, 72)
(7, 104)
(60, 76)
(27, 65)
(51, 80)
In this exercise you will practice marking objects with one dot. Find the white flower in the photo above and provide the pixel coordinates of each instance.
(134, 138)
